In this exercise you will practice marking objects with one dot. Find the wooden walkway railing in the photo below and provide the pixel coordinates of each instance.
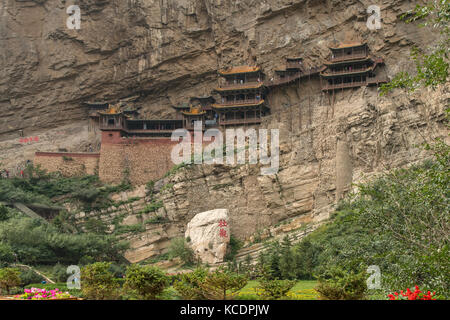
(239, 102)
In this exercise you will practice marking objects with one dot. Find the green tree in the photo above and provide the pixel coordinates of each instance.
(274, 289)
(9, 278)
(189, 285)
(98, 283)
(287, 266)
(339, 284)
(432, 65)
(6, 254)
(222, 284)
(147, 281)
(3, 213)
(305, 259)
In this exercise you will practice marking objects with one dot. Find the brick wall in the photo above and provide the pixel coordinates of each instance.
(68, 164)
(145, 159)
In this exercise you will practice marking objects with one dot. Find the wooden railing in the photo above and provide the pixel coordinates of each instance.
(359, 55)
(356, 70)
(239, 85)
(239, 102)
(284, 80)
(240, 121)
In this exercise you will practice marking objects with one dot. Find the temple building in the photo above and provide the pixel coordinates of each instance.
(115, 123)
(350, 66)
(206, 105)
(242, 94)
(190, 117)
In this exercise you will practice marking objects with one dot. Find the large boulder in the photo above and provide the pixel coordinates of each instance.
(209, 234)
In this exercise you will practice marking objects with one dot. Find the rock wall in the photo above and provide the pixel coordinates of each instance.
(168, 50)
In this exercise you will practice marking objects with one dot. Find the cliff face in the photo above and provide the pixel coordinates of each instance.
(165, 51)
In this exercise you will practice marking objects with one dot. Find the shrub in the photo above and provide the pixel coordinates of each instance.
(147, 281)
(29, 276)
(6, 254)
(189, 284)
(152, 207)
(9, 278)
(338, 284)
(59, 273)
(98, 282)
(35, 242)
(3, 213)
(179, 248)
(222, 284)
(233, 248)
(96, 226)
(274, 289)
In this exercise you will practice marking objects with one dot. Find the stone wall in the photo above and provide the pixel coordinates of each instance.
(68, 164)
(140, 159)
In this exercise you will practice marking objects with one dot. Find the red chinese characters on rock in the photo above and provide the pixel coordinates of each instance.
(30, 139)
(222, 231)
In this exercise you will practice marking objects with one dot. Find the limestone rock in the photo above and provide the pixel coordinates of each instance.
(209, 235)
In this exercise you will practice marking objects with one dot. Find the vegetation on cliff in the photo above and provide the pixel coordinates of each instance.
(399, 222)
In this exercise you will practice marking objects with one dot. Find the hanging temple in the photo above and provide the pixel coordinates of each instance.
(126, 139)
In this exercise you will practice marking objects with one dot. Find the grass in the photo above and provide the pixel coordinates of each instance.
(302, 290)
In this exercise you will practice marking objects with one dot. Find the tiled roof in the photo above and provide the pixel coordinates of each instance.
(241, 69)
(348, 45)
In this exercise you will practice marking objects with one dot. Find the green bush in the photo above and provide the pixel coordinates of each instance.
(35, 242)
(233, 248)
(59, 273)
(179, 248)
(222, 284)
(6, 254)
(338, 284)
(189, 284)
(147, 281)
(134, 228)
(9, 278)
(29, 276)
(95, 225)
(98, 282)
(4, 215)
(274, 289)
(152, 207)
